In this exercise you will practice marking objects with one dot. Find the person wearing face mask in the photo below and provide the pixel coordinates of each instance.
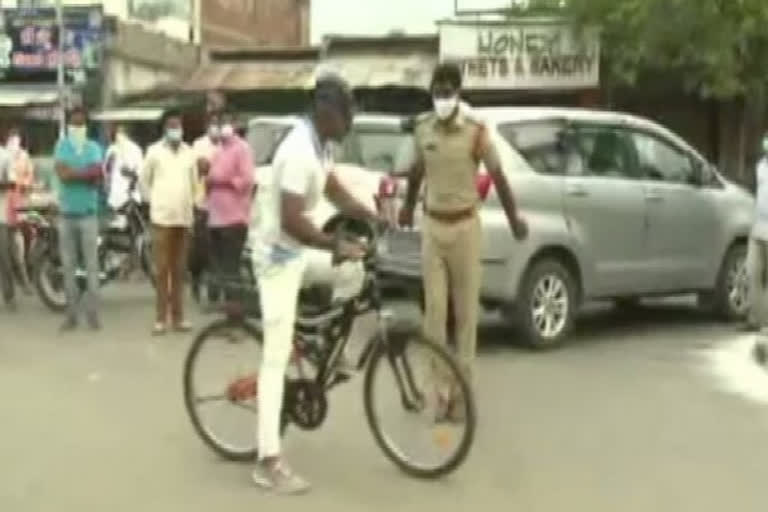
(169, 180)
(22, 168)
(449, 145)
(79, 168)
(230, 190)
(205, 147)
(757, 254)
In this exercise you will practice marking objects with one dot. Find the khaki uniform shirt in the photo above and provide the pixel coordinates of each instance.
(450, 155)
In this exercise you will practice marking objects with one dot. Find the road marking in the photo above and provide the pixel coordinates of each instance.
(734, 367)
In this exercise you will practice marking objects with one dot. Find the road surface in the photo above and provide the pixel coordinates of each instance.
(655, 411)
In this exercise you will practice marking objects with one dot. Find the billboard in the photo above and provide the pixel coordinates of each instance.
(254, 22)
(522, 54)
(29, 40)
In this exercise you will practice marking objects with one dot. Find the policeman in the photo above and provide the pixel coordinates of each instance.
(449, 145)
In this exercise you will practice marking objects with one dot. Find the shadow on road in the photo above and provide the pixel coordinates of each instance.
(603, 324)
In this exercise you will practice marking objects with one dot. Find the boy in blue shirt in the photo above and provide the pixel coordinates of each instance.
(79, 169)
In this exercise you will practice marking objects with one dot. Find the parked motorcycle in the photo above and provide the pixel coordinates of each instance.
(117, 246)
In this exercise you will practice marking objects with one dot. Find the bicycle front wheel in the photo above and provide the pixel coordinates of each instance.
(419, 405)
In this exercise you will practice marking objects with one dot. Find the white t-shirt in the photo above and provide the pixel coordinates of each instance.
(124, 154)
(300, 166)
(760, 227)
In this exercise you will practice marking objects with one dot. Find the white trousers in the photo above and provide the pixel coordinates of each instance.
(279, 286)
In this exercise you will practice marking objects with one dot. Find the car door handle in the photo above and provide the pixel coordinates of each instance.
(576, 191)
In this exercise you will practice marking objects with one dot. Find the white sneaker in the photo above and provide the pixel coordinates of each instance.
(280, 479)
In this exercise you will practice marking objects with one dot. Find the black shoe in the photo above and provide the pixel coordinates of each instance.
(69, 325)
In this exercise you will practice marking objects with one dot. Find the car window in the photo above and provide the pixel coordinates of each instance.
(379, 151)
(605, 151)
(662, 161)
(540, 143)
(375, 150)
(265, 138)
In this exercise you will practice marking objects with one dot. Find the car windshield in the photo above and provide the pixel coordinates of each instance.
(376, 148)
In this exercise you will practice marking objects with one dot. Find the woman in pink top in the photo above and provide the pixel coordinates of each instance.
(229, 187)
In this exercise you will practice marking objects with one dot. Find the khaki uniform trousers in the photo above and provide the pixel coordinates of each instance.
(451, 253)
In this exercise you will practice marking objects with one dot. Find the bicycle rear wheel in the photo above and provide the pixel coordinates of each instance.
(427, 401)
(220, 388)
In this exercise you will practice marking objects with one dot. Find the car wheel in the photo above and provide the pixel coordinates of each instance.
(547, 304)
(730, 298)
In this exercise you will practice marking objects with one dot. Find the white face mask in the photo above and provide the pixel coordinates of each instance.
(14, 143)
(214, 132)
(227, 131)
(79, 133)
(445, 107)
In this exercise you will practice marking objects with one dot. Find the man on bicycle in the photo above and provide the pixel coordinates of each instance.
(301, 167)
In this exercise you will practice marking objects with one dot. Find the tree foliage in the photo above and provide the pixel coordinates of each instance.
(719, 48)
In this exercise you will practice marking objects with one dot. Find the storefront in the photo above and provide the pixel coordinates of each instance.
(524, 61)
(29, 58)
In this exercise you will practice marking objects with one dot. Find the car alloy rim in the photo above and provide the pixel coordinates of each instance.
(550, 306)
(738, 286)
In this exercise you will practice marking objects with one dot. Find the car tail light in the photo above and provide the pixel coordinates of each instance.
(483, 183)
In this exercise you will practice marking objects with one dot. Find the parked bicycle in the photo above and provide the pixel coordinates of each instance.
(391, 359)
(118, 246)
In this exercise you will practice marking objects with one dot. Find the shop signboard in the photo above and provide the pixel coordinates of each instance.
(29, 40)
(526, 53)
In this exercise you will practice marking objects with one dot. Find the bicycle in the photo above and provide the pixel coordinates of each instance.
(322, 333)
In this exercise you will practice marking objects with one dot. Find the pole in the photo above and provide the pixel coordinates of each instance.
(60, 69)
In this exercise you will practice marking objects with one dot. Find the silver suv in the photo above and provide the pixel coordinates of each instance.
(618, 208)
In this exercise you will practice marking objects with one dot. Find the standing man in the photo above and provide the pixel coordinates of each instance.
(79, 168)
(230, 189)
(169, 180)
(449, 146)
(301, 169)
(7, 185)
(205, 147)
(757, 255)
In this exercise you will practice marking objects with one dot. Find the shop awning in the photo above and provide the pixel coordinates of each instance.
(413, 70)
(22, 95)
(128, 114)
(243, 76)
